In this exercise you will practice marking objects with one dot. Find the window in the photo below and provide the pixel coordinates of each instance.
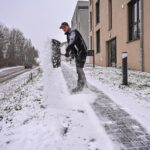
(110, 14)
(134, 16)
(90, 21)
(98, 41)
(97, 11)
(112, 53)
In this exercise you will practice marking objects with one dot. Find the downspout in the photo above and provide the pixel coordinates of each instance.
(93, 28)
(142, 36)
(93, 17)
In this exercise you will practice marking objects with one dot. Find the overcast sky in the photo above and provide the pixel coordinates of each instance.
(37, 19)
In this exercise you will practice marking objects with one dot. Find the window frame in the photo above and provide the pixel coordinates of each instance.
(110, 14)
(134, 20)
(97, 11)
(91, 42)
(91, 17)
(98, 45)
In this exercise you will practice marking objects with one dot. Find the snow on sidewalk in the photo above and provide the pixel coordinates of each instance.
(135, 98)
(123, 129)
(77, 125)
(139, 82)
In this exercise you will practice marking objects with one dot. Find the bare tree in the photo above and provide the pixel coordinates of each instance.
(15, 49)
(4, 34)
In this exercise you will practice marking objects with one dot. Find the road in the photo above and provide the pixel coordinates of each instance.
(11, 73)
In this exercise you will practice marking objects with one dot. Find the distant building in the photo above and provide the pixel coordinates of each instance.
(80, 20)
(117, 26)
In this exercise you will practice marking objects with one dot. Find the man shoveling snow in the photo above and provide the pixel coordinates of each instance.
(78, 49)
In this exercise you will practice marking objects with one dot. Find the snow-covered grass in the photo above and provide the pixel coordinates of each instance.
(17, 111)
(8, 87)
(13, 95)
(139, 82)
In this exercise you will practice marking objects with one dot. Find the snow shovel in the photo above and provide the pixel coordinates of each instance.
(56, 53)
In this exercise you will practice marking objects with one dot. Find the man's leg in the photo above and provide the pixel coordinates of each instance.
(81, 83)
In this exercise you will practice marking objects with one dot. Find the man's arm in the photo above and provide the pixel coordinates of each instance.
(71, 43)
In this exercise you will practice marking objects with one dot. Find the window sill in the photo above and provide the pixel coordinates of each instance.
(130, 41)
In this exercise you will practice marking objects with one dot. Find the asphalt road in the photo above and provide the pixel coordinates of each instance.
(11, 73)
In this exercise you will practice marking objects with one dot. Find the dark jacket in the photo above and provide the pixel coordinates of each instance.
(76, 45)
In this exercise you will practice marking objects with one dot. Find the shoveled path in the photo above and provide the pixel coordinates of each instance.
(123, 130)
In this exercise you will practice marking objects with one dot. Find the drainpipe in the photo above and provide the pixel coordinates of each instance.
(93, 19)
(93, 36)
(142, 36)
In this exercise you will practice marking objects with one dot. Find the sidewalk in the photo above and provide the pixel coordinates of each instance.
(124, 131)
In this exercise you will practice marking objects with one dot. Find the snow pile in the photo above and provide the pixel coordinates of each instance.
(54, 84)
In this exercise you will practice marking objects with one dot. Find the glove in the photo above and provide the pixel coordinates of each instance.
(67, 55)
(72, 55)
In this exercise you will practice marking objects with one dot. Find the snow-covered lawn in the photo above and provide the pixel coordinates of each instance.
(139, 82)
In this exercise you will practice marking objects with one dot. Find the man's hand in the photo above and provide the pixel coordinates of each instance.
(67, 55)
(72, 54)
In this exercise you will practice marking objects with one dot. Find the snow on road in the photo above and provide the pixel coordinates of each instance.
(10, 68)
(129, 110)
